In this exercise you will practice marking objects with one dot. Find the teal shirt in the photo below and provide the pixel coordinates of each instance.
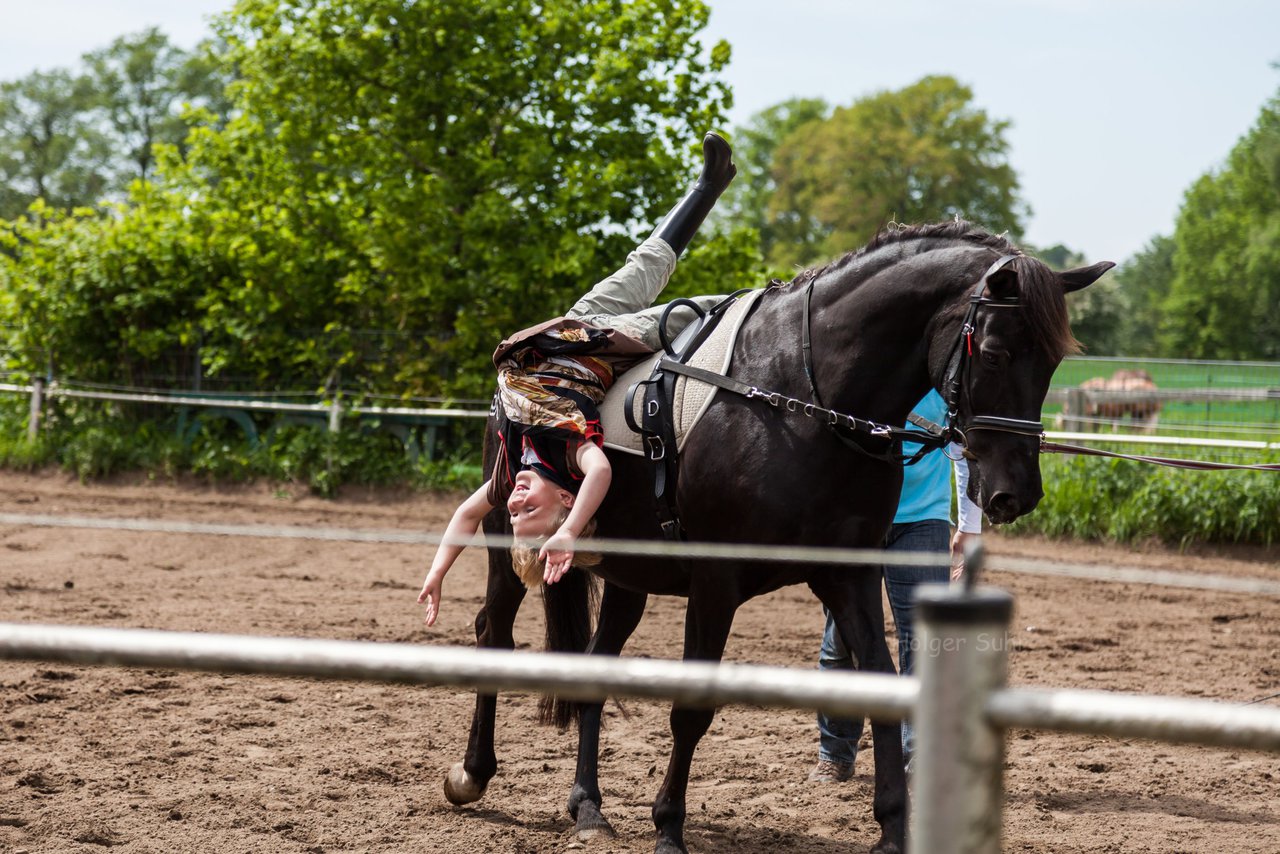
(926, 486)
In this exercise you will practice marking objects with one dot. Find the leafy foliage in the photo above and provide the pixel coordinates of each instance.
(49, 146)
(1224, 301)
(1143, 283)
(747, 201)
(1097, 499)
(446, 173)
(1212, 290)
(141, 85)
(920, 154)
(75, 139)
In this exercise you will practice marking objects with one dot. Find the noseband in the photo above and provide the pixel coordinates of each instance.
(957, 376)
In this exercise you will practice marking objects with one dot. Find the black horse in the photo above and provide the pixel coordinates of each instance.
(947, 306)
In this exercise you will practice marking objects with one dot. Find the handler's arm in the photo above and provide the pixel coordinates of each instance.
(464, 524)
(597, 474)
(969, 525)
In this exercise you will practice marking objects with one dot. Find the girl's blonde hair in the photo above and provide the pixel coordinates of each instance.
(524, 555)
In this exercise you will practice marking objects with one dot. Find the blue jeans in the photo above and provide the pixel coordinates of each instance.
(838, 737)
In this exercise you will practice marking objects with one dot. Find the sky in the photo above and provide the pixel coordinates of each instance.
(1116, 106)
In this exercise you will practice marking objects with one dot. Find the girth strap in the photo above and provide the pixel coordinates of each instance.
(657, 425)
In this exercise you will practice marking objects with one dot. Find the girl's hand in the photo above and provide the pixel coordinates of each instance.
(557, 551)
(431, 596)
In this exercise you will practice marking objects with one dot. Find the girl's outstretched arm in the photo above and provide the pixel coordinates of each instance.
(464, 524)
(557, 551)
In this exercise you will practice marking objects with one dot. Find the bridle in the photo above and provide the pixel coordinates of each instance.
(956, 378)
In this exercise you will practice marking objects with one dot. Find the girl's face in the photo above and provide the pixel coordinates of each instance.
(535, 505)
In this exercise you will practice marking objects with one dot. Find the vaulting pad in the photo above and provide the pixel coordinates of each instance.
(691, 397)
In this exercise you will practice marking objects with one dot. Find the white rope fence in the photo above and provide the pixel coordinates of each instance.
(655, 548)
(335, 410)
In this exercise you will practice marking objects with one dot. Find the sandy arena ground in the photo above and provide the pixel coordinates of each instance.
(167, 761)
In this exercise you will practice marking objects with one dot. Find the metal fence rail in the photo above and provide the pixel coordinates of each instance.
(959, 703)
(584, 677)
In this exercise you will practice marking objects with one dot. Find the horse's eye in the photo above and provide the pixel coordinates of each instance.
(993, 358)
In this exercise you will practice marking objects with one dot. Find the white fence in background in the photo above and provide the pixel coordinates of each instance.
(334, 410)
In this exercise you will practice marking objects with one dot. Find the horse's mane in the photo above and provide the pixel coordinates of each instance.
(1043, 302)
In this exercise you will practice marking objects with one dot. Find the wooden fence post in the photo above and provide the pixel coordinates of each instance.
(37, 404)
(335, 414)
(1077, 400)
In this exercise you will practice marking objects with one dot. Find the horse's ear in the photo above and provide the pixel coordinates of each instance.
(1082, 277)
(1003, 283)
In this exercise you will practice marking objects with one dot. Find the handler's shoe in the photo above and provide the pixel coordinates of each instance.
(827, 771)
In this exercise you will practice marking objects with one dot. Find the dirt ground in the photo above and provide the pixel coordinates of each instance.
(167, 761)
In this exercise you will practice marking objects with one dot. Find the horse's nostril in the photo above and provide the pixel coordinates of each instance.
(1003, 507)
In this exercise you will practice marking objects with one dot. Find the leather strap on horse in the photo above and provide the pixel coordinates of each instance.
(842, 425)
(658, 425)
(928, 441)
(962, 354)
(1174, 462)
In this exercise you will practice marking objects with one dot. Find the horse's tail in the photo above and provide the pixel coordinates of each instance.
(569, 606)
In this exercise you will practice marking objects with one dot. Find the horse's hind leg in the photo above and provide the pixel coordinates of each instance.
(467, 780)
(854, 599)
(620, 613)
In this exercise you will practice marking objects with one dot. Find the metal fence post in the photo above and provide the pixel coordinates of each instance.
(958, 764)
(37, 404)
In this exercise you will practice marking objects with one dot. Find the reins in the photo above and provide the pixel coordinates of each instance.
(841, 423)
(833, 419)
(845, 426)
(1173, 462)
(931, 436)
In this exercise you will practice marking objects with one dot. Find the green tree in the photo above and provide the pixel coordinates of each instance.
(746, 202)
(141, 84)
(49, 148)
(922, 153)
(100, 298)
(440, 173)
(453, 170)
(1144, 282)
(1224, 299)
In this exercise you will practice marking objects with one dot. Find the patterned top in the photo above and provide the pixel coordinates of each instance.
(533, 380)
(549, 388)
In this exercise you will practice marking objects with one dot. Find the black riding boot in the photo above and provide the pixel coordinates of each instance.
(679, 226)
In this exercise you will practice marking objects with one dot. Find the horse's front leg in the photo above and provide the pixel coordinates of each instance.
(467, 780)
(853, 597)
(708, 619)
(620, 613)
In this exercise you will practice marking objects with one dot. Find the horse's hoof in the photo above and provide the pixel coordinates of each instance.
(592, 824)
(460, 787)
(883, 847)
(666, 846)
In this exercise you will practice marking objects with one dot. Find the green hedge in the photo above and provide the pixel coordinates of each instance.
(95, 441)
(1104, 499)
